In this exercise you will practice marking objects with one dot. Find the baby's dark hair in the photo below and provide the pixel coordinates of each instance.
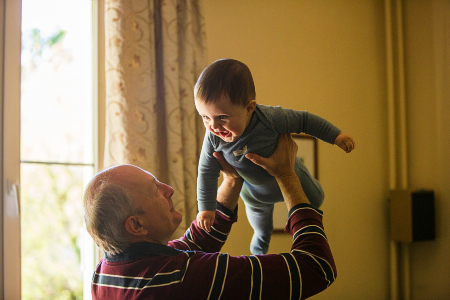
(226, 77)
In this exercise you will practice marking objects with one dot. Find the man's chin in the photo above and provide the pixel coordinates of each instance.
(177, 216)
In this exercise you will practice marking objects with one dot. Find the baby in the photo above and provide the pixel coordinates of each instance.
(236, 125)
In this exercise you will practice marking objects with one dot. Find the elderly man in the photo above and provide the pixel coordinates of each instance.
(130, 215)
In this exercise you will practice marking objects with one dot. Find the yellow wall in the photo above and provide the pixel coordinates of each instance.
(427, 56)
(328, 57)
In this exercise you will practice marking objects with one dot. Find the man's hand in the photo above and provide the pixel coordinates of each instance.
(281, 166)
(225, 167)
(205, 219)
(282, 160)
(346, 142)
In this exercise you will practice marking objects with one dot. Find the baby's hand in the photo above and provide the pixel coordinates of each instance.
(345, 141)
(205, 219)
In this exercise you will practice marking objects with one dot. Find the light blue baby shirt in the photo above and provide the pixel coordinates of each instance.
(260, 137)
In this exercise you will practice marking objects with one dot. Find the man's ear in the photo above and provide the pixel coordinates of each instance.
(251, 106)
(134, 226)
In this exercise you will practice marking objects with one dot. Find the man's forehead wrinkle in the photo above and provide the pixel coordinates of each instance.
(139, 186)
(144, 186)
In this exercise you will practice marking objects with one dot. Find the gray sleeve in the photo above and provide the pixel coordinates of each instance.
(207, 179)
(295, 121)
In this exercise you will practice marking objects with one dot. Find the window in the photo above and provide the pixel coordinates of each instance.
(57, 152)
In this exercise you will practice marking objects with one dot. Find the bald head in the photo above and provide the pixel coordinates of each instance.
(108, 202)
(117, 174)
(126, 204)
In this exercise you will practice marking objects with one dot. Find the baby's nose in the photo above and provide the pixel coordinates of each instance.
(215, 125)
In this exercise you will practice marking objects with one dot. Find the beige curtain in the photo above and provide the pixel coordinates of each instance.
(155, 51)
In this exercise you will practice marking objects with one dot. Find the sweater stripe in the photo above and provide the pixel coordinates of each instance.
(294, 275)
(219, 277)
(139, 283)
(226, 212)
(189, 237)
(136, 283)
(311, 229)
(304, 206)
(186, 244)
(186, 264)
(217, 235)
(257, 278)
(324, 265)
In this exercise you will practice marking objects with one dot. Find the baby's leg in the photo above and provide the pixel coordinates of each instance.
(260, 217)
(311, 186)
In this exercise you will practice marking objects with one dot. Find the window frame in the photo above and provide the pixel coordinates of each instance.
(11, 51)
(10, 56)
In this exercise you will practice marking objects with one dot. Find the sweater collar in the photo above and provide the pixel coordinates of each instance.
(137, 250)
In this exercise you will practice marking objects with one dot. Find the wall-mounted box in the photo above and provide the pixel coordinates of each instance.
(412, 215)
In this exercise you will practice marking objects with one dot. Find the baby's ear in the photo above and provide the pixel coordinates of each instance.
(251, 106)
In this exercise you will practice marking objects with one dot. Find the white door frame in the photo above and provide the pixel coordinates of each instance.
(10, 77)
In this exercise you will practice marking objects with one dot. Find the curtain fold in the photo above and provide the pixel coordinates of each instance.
(155, 51)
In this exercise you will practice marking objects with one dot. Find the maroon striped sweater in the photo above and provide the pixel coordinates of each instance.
(192, 267)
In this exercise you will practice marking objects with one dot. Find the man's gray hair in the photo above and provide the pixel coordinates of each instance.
(107, 205)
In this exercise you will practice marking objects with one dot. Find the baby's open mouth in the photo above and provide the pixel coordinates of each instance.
(224, 134)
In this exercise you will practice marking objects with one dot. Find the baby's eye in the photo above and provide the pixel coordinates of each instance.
(223, 117)
(205, 117)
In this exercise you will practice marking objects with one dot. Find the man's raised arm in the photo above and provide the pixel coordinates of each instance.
(226, 214)
(306, 270)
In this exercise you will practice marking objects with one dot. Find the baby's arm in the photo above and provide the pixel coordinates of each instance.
(208, 175)
(205, 219)
(227, 195)
(290, 121)
(346, 142)
(284, 120)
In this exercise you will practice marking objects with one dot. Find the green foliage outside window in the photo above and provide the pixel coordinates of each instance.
(51, 195)
(51, 222)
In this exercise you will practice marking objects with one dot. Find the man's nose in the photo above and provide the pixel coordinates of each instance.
(168, 190)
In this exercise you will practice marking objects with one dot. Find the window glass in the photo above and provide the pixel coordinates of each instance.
(56, 80)
(56, 146)
(51, 221)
